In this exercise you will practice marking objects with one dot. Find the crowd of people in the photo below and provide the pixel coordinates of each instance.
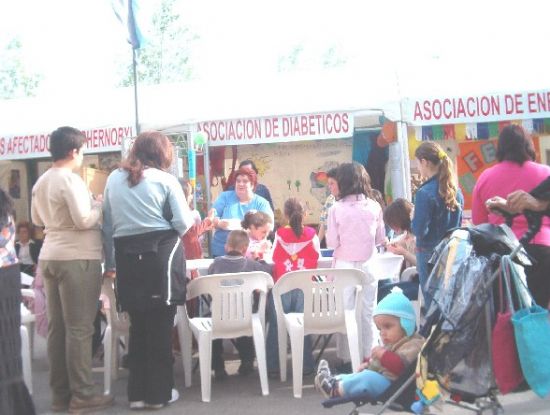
(144, 227)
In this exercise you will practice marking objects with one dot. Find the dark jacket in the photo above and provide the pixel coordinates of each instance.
(235, 262)
(34, 248)
(432, 219)
(150, 270)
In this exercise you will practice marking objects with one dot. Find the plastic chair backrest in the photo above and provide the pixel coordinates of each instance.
(408, 273)
(232, 297)
(385, 266)
(27, 314)
(323, 290)
(26, 279)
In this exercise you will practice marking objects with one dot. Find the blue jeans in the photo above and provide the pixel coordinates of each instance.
(292, 301)
(366, 381)
(422, 259)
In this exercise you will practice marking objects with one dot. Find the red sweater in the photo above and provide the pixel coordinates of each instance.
(292, 253)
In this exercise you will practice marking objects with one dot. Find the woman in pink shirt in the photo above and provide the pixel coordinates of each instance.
(355, 227)
(517, 170)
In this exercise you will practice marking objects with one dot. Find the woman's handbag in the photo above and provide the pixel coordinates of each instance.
(532, 333)
(506, 366)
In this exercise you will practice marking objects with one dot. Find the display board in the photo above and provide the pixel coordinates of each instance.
(297, 170)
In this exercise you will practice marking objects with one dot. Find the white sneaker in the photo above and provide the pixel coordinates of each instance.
(135, 405)
(175, 396)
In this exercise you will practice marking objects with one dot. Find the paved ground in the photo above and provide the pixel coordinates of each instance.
(242, 396)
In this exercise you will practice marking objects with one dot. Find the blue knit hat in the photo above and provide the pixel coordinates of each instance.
(398, 305)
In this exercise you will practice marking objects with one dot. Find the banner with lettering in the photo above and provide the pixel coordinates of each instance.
(278, 129)
(477, 108)
(98, 140)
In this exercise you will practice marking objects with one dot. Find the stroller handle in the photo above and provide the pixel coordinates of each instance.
(534, 222)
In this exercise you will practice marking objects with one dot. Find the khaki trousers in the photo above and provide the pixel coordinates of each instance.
(72, 294)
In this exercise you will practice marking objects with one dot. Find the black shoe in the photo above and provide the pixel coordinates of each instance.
(220, 374)
(246, 368)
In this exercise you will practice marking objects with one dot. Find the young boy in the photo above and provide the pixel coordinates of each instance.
(235, 261)
(394, 316)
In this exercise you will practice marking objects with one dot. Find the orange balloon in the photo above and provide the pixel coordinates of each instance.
(389, 131)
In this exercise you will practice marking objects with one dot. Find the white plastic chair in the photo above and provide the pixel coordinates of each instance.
(324, 313)
(118, 325)
(232, 316)
(407, 275)
(385, 266)
(26, 331)
(26, 279)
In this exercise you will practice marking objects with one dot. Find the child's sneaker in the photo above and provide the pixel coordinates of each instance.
(324, 381)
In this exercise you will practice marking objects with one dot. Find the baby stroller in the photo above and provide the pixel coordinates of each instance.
(399, 396)
(458, 323)
(457, 353)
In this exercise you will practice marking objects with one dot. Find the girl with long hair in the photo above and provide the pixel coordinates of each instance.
(296, 247)
(438, 206)
(355, 228)
(397, 216)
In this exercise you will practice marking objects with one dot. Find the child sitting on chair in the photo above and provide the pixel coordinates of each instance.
(235, 261)
(258, 225)
(394, 316)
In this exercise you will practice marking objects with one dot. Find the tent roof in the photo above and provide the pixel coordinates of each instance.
(169, 107)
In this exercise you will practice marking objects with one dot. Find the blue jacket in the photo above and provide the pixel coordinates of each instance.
(431, 218)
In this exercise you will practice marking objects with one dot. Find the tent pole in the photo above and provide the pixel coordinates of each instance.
(134, 72)
(206, 191)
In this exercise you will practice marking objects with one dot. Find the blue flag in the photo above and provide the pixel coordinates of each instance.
(125, 11)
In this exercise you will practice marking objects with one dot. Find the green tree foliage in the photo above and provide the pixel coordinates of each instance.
(303, 57)
(16, 80)
(292, 60)
(165, 56)
(333, 57)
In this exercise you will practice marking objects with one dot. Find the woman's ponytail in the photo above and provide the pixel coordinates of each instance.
(447, 183)
(294, 211)
(448, 187)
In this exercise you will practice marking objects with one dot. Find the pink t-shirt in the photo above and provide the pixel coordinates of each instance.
(355, 226)
(501, 180)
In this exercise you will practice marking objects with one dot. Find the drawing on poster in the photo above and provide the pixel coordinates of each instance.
(318, 181)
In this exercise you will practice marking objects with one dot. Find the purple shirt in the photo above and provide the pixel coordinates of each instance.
(355, 227)
(501, 180)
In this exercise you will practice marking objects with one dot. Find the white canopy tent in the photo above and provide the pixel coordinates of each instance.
(176, 108)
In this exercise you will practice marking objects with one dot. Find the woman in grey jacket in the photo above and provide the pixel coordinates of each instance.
(145, 214)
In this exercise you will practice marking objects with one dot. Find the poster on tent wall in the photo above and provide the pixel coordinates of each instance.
(474, 158)
(37, 145)
(278, 129)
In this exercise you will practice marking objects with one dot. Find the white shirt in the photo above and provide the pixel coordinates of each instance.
(25, 254)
